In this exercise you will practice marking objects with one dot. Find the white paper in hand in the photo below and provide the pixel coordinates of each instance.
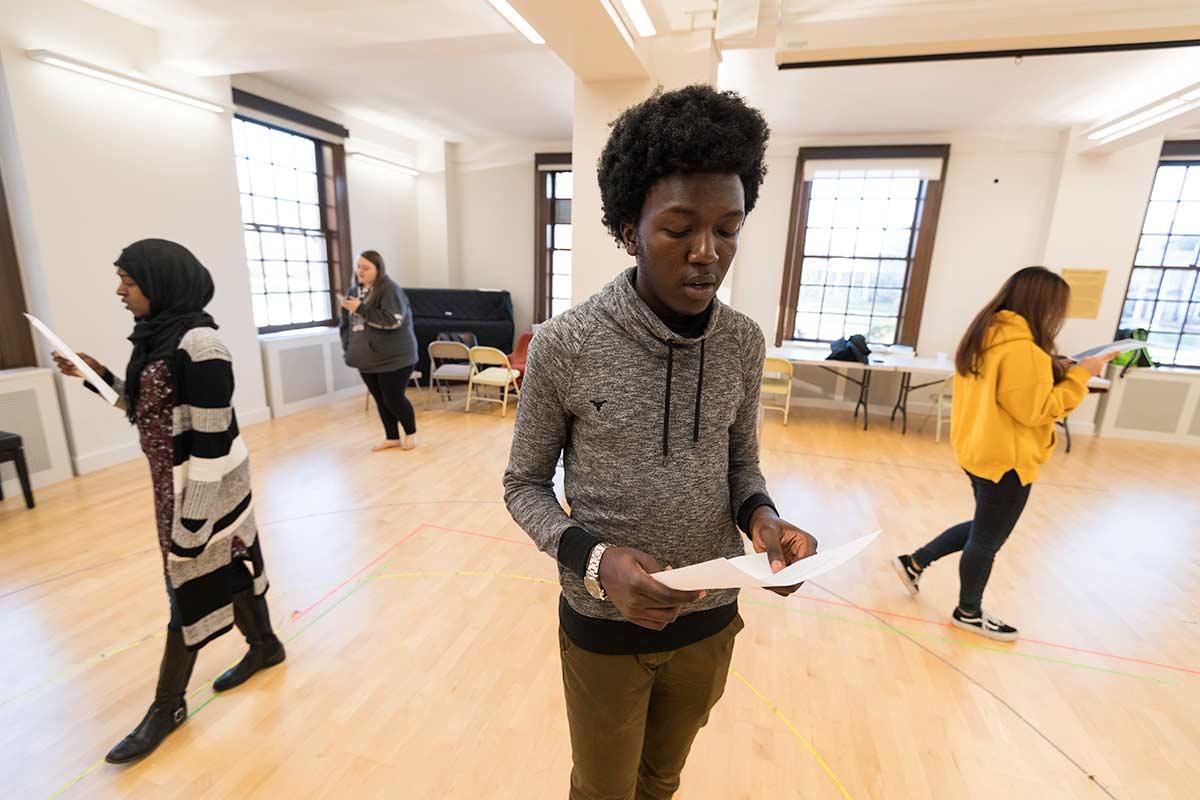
(105, 390)
(754, 571)
(1121, 346)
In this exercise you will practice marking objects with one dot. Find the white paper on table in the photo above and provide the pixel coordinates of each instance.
(1121, 346)
(105, 390)
(753, 571)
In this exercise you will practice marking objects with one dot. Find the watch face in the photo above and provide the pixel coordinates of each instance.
(593, 587)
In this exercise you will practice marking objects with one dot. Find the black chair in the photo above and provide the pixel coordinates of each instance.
(12, 450)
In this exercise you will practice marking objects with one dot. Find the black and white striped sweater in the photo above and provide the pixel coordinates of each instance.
(211, 477)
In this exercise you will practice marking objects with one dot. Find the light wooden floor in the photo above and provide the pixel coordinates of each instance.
(420, 627)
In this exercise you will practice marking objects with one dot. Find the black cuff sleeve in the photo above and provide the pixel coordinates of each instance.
(574, 548)
(749, 507)
(106, 376)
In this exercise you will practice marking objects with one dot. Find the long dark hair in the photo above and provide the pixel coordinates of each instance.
(373, 297)
(1038, 295)
(376, 259)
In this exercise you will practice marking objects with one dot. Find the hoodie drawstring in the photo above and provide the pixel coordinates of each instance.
(667, 409)
(699, 392)
(666, 444)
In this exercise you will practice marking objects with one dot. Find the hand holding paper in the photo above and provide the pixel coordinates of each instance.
(754, 571)
(783, 542)
(85, 370)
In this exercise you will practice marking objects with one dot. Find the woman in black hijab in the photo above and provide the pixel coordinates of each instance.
(178, 391)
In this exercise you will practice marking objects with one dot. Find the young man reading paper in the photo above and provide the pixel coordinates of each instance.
(650, 390)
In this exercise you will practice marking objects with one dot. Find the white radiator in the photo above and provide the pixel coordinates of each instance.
(304, 369)
(29, 407)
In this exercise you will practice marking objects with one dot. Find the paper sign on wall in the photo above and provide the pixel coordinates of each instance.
(1087, 289)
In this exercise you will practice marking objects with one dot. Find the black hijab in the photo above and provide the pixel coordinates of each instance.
(178, 288)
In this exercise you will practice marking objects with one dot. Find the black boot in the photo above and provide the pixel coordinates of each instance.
(169, 709)
(254, 620)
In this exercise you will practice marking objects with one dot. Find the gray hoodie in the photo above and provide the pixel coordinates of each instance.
(379, 337)
(658, 435)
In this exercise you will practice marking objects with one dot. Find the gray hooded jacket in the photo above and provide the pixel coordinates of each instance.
(658, 435)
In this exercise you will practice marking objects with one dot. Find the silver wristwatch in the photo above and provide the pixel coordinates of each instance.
(591, 578)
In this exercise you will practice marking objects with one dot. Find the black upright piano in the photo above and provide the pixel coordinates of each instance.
(488, 315)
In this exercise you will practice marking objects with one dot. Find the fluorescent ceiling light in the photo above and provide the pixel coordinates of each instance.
(517, 21)
(641, 19)
(128, 81)
(620, 23)
(383, 162)
(1166, 115)
(1159, 111)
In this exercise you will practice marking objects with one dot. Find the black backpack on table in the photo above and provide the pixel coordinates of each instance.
(852, 349)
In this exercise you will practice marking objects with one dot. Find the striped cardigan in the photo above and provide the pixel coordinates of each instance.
(212, 488)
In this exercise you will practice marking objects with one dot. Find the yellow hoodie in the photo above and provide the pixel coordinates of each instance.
(1003, 419)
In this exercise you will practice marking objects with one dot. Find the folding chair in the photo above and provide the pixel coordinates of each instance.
(776, 381)
(449, 362)
(941, 407)
(490, 367)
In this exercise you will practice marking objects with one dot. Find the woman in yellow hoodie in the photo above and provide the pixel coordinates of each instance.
(1010, 387)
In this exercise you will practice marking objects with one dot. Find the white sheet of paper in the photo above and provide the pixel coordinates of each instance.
(1121, 346)
(105, 390)
(753, 571)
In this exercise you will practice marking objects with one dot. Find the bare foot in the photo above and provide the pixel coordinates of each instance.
(387, 444)
(410, 442)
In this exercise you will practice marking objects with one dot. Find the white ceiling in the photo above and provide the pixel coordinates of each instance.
(452, 69)
(1050, 91)
(455, 69)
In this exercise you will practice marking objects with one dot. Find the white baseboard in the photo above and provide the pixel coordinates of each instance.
(12, 486)
(254, 417)
(1083, 428)
(99, 459)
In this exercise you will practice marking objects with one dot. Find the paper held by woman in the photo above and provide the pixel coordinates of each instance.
(753, 571)
(64, 350)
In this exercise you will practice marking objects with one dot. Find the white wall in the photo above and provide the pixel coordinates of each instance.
(1012, 199)
(383, 217)
(995, 212)
(90, 167)
(495, 204)
(1096, 222)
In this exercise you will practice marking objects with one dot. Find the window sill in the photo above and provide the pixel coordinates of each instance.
(315, 331)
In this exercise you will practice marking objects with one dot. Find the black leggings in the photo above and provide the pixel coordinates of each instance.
(998, 506)
(388, 390)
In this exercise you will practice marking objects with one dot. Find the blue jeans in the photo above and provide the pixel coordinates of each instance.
(998, 506)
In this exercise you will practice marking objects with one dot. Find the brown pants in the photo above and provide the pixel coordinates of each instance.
(633, 718)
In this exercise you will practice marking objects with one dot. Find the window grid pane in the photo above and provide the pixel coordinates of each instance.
(1164, 287)
(286, 245)
(556, 261)
(858, 251)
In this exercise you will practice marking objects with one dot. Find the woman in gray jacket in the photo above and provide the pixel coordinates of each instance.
(378, 341)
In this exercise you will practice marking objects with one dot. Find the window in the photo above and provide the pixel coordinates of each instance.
(291, 219)
(553, 190)
(860, 242)
(1164, 294)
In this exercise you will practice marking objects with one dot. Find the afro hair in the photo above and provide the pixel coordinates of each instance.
(693, 129)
